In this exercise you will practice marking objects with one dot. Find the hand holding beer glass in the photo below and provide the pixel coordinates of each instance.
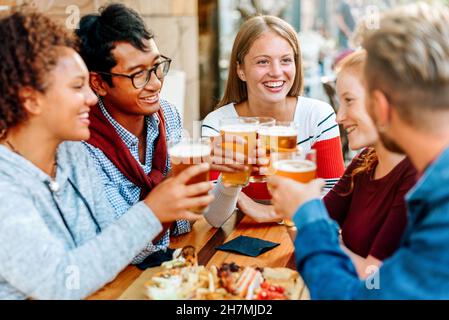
(238, 143)
(189, 152)
(288, 195)
(299, 166)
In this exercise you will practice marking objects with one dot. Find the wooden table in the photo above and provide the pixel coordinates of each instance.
(206, 238)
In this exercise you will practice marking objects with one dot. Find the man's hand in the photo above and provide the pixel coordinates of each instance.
(288, 195)
(172, 199)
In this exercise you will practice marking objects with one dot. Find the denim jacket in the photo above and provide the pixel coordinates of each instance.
(418, 270)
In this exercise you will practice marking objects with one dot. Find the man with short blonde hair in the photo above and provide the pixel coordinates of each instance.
(407, 75)
(408, 61)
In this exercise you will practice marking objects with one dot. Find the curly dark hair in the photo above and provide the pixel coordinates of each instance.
(29, 51)
(99, 32)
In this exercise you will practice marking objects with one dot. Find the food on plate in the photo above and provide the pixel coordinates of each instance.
(185, 280)
(281, 280)
(189, 254)
(182, 258)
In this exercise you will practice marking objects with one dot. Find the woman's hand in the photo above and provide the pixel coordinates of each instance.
(262, 161)
(257, 211)
(288, 195)
(230, 161)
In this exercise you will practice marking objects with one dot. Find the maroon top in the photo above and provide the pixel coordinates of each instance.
(373, 217)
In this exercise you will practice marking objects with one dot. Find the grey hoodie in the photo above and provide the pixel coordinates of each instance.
(46, 253)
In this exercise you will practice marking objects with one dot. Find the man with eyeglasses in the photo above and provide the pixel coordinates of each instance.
(130, 125)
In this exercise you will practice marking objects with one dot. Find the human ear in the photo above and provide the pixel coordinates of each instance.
(30, 99)
(241, 72)
(380, 110)
(97, 84)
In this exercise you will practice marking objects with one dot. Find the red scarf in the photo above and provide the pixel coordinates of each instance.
(104, 137)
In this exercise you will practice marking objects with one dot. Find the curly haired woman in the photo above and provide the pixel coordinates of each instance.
(59, 238)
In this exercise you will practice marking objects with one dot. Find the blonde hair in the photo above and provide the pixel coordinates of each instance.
(250, 31)
(354, 63)
(408, 60)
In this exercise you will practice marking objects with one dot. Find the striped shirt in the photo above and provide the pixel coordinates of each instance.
(317, 128)
(121, 192)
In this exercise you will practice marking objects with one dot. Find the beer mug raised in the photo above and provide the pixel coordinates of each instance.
(190, 152)
(230, 130)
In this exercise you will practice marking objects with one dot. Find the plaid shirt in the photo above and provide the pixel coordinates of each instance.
(121, 192)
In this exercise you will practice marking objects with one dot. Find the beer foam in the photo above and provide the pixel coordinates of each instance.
(278, 131)
(186, 150)
(294, 165)
(238, 128)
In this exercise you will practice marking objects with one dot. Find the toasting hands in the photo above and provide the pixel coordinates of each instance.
(235, 160)
(288, 195)
(172, 199)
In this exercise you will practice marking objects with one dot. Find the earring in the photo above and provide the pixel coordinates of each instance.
(3, 133)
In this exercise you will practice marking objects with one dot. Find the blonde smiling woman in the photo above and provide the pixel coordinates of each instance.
(266, 80)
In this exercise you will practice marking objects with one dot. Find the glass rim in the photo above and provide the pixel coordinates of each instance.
(276, 164)
(274, 130)
(200, 148)
(298, 154)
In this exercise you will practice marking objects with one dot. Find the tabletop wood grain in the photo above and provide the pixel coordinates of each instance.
(206, 238)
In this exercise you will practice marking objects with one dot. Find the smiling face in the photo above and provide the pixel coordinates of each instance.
(352, 113)
(268, 69)
(66, 102)
(123, 98)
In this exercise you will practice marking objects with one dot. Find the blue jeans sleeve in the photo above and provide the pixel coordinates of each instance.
(327, 271)
(418, 269)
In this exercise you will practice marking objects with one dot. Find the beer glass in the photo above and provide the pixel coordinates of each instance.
(230, 129)
(300, 166)
(264, 122)
(189, 152)
(282, 137)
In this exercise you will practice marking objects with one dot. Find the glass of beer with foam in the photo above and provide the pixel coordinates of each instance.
(280, 138)
(189, 152)
(232, 132)
(300, 166)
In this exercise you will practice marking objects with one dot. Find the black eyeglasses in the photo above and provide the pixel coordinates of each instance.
(141, 78)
